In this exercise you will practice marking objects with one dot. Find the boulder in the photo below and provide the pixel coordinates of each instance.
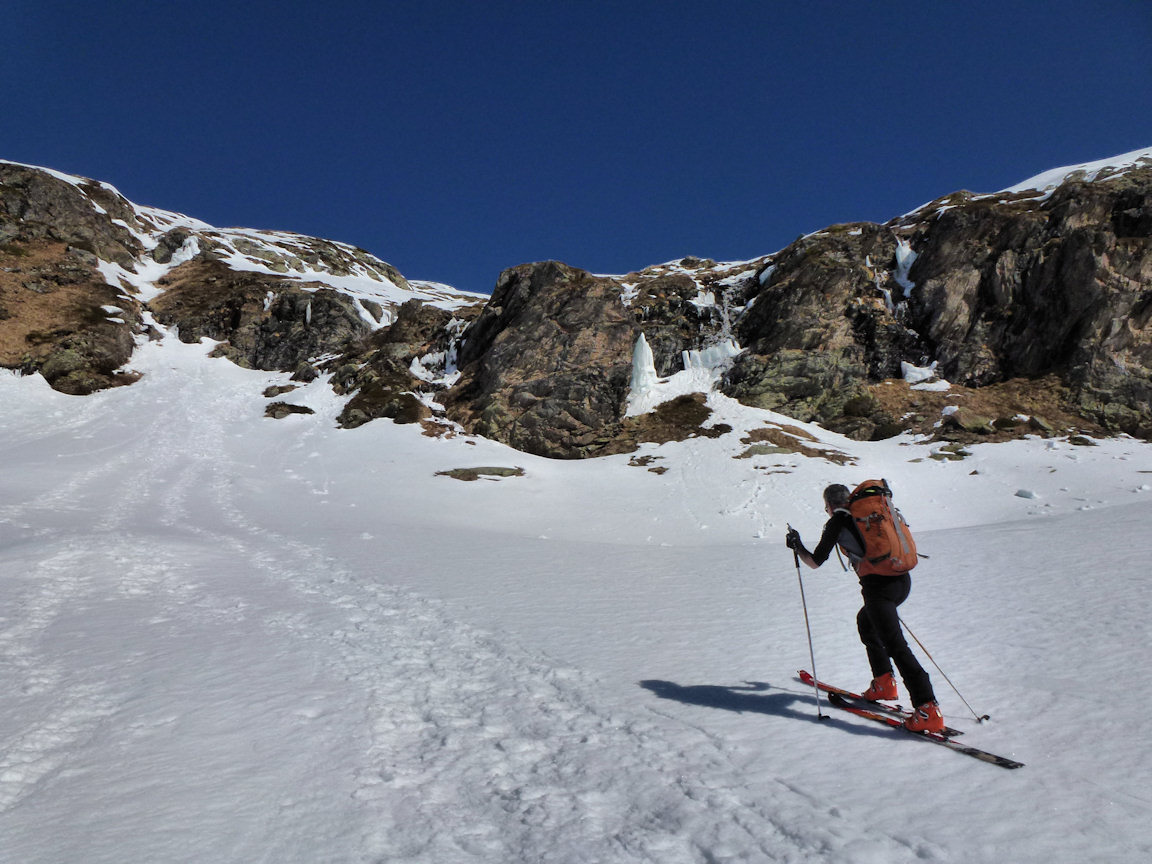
(969, 421)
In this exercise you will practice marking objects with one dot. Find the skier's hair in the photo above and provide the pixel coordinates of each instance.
(836, 496)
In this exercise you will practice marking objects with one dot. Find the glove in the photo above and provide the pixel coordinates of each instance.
(792, 540)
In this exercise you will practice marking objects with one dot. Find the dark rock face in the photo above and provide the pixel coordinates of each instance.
(1002, 291)
(826, 322)
(547, 364)
(380, 376)
(1021, 287)
(267, 322)
(1020, 291)
(58, 315)
(35, 206)
(60, 318)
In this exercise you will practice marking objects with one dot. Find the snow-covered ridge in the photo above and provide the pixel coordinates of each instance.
(1041, 186)
(1090, 172)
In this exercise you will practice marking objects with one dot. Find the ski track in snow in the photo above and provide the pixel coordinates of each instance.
(452, 718)
(67, 716)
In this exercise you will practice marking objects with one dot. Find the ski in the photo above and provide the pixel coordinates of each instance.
(887, 719)
(860, 702)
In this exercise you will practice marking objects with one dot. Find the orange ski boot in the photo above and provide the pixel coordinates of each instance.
(882, 688)
(926, 718)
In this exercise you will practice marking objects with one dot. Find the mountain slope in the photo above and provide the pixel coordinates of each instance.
(84, 270)
(976, 317)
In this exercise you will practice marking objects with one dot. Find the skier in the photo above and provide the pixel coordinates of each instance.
(878, 621)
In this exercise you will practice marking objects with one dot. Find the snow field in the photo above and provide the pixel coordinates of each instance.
(226, 638)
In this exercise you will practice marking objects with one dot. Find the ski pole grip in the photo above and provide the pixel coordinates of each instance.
(795, 552)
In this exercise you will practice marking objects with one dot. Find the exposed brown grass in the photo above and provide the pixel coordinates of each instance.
(489, 473)
(790, 439)
(45, 298)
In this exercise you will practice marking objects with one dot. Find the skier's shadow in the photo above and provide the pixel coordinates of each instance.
(752, 698)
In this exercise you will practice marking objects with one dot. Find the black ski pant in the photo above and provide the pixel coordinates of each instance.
(879, 626)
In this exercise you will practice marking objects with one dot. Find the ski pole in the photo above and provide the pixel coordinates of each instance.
(979, 718)
(808, 627)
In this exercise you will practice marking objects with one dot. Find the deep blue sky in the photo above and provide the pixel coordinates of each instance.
(454, 139)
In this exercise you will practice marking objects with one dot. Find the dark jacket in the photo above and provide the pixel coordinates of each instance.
(840, 531)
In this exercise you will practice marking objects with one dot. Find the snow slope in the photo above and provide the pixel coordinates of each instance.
(225, 638)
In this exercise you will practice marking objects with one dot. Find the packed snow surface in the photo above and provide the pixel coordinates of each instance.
(226, 638)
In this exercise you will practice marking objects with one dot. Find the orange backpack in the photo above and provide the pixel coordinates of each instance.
(889, 549)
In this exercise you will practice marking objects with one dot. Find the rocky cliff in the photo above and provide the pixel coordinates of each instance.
(547, 364)
(1048, 290)
(85, 274)
(1032, 304)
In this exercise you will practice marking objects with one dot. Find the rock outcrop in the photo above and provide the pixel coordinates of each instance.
(58, 314)
(542, 363)
(415, 355)
(82, 269)
(1002, 288)
(824, 320)
(1022, 289)
(38, 205)
(265, 322)
(546, 365)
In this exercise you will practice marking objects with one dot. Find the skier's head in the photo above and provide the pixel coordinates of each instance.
(836, 497)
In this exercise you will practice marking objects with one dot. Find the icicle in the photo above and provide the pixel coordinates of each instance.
(905, 257)
(643, 367)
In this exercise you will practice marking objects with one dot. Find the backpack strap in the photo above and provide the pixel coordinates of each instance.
(850, 523)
